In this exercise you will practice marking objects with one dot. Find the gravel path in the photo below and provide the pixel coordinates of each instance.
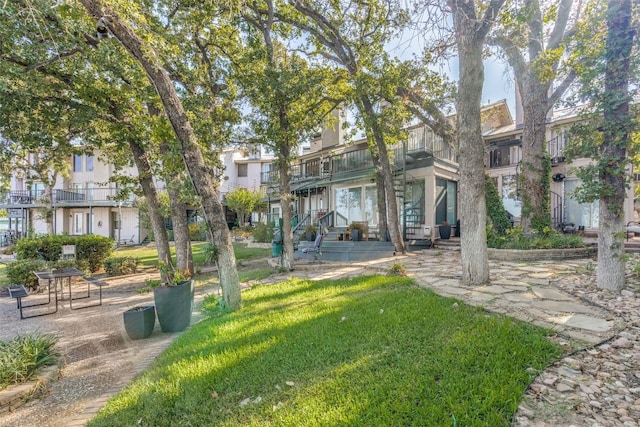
(100, 358)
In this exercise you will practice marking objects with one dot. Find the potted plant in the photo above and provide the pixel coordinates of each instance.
(356, 231)
(445, 230)
(310, 232)
(139, 321)
(174, 299)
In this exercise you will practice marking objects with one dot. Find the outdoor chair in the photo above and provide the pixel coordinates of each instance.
(315, 249)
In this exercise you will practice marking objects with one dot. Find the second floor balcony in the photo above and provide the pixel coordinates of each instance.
(421, 144)
(109, 196)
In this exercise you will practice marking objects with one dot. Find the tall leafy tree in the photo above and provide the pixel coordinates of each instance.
(202, 175)
(353, 36)
(606, 134)
(535, 37)
(472, 21)
(290, 99)
(49, 58)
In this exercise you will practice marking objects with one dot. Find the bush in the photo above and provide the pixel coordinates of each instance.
(211, 253)
(118, 266)
(20, 272)
(263, 233)
(497, 215)
(197, 232)
(21, 357)
(549, 239)
(91, 250)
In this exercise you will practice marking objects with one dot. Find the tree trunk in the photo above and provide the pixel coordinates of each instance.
(534, 178)
(382, 202)
(285, 203)
(201, 174)
(385, 172)
(616, 138)
(145, 177)
(470, 33)
(48, 215)
(184, 258)
(473, 211)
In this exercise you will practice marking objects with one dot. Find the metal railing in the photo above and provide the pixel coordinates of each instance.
(86, 196)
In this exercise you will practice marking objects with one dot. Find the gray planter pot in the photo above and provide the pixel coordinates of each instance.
(139, 321)
(355, 235)
(174, 305)
(445, 232)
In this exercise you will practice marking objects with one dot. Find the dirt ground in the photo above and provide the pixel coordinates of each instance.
(99, 357)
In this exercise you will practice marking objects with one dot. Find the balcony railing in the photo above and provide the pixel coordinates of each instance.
(555, 148)
(421, 143)
(88, 196)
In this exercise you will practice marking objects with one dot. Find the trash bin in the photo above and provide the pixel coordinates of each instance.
(276, 248)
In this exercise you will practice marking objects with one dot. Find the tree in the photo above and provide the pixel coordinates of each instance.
(353, 36)
(243, 202)
(471, 31)
(290, 99)
(606, 135)
(201, 175)
(522, 36)
(101, 90)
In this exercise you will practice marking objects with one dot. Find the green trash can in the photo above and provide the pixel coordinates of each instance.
(276, 248)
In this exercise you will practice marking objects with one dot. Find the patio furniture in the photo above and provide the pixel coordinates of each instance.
(19, 292)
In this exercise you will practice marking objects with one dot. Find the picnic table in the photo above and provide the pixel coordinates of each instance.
(56, 280)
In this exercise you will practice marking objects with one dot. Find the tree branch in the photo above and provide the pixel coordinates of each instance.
(558, 33)
(562, 88)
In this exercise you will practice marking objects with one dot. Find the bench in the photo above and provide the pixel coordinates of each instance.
(89, 282)
(19, 291)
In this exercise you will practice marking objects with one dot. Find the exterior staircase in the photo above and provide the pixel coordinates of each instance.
(451, 244)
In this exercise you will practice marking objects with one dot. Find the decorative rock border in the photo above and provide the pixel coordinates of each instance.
(17, 395)
(540, 254)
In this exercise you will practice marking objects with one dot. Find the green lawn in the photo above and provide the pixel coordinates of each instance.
(369, 351)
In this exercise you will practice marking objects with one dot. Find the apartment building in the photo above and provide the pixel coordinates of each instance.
(79, 204)
(504, 153)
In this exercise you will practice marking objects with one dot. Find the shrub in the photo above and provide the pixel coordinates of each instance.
(496, 213)
(549, 239)
(20, 272)
(91, 250)
(197, 232)
(118, 266)
(398, 269)
(263, 233)
(211, 253)
(21, 357)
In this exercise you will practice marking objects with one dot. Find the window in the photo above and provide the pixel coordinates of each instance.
(89, 163)
(348, 203)
(446, 201)
(585, 214)
(77, 163)
(242, 170)
(78, 223)
(510, 195)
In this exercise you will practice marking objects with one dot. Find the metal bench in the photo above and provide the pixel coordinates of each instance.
(89, 282)
(19, 291)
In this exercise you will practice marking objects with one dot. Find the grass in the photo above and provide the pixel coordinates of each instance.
(21, 357)
(371, 350)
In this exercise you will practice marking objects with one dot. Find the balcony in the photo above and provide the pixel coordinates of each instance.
(421, 144)
(62, 198)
